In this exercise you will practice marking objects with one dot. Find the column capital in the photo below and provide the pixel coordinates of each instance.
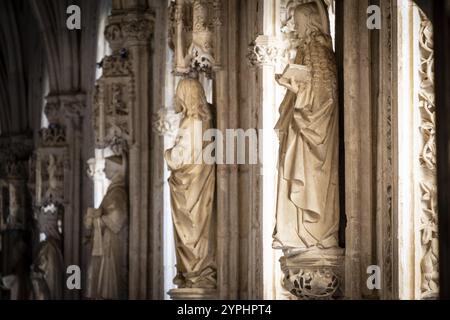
(129, 28)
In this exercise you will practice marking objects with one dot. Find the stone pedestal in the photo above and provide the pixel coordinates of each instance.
(314, 274)
(193, 294)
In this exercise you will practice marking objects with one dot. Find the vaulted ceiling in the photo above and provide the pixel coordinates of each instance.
(37, 51)
(21, 68)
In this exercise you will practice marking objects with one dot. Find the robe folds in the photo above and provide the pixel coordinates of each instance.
(307, 210)
(48, 279)
(192, 185)
(107, 272)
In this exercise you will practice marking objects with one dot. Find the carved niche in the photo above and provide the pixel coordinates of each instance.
(114, 95)
(113, 100)
(195, 35)
(14, 154)
(51, 165)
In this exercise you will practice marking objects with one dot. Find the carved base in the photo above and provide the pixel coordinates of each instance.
(315, 274)
(193, 294)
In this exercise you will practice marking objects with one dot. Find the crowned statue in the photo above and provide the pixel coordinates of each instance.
(47, 271)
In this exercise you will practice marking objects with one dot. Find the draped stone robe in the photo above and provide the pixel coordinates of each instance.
(48, 273)
(307, 211)
(192, 186)
(107, 272)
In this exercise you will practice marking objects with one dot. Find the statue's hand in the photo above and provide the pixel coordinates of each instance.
(88, 219)
(290, 84)
(97, 213)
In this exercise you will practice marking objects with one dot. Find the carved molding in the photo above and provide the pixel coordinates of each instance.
(428, 228)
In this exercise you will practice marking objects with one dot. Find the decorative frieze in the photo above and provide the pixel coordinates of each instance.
(428, 226)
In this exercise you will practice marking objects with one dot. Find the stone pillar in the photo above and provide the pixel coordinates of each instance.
(59, 172)
(358, 144)
(441, 22)
(122, 122)
(197, 43)
(15, 213)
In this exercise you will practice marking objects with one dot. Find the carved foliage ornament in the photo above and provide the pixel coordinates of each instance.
(122, 29)
(52, 167)
(428, 220)
(53, 136)
(310, 283)
(195, 31)
(60, 108)
(264, 50)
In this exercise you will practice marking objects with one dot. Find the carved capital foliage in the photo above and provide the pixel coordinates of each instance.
(65, 107)
(129, 28)
(314, 275)
(265, 50)
(53, 136)
(118, 64)
(14, 153)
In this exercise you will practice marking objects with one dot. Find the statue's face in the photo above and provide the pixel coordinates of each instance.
(300, 24)
(178, 107)
(109, 170)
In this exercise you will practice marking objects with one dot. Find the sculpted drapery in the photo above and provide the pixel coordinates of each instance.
(47, 274)
(192, 184)
(107, 271)
(307, 211)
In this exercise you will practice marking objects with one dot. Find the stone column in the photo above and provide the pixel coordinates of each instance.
(358, 154)
(15, 213)
(122, 121)
(197, 41)
(60, 146)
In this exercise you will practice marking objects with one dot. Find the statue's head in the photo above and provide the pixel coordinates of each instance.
(310, 17)
(191, 100)
(115, 168)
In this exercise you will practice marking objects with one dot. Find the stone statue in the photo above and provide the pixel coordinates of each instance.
(307, 211)
(308, 198)
(53, 183)
(192, 186)
(15, 217)
(47, 271)
(108, 234)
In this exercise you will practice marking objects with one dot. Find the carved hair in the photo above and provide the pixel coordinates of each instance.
(191, 98)
(315, 15)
